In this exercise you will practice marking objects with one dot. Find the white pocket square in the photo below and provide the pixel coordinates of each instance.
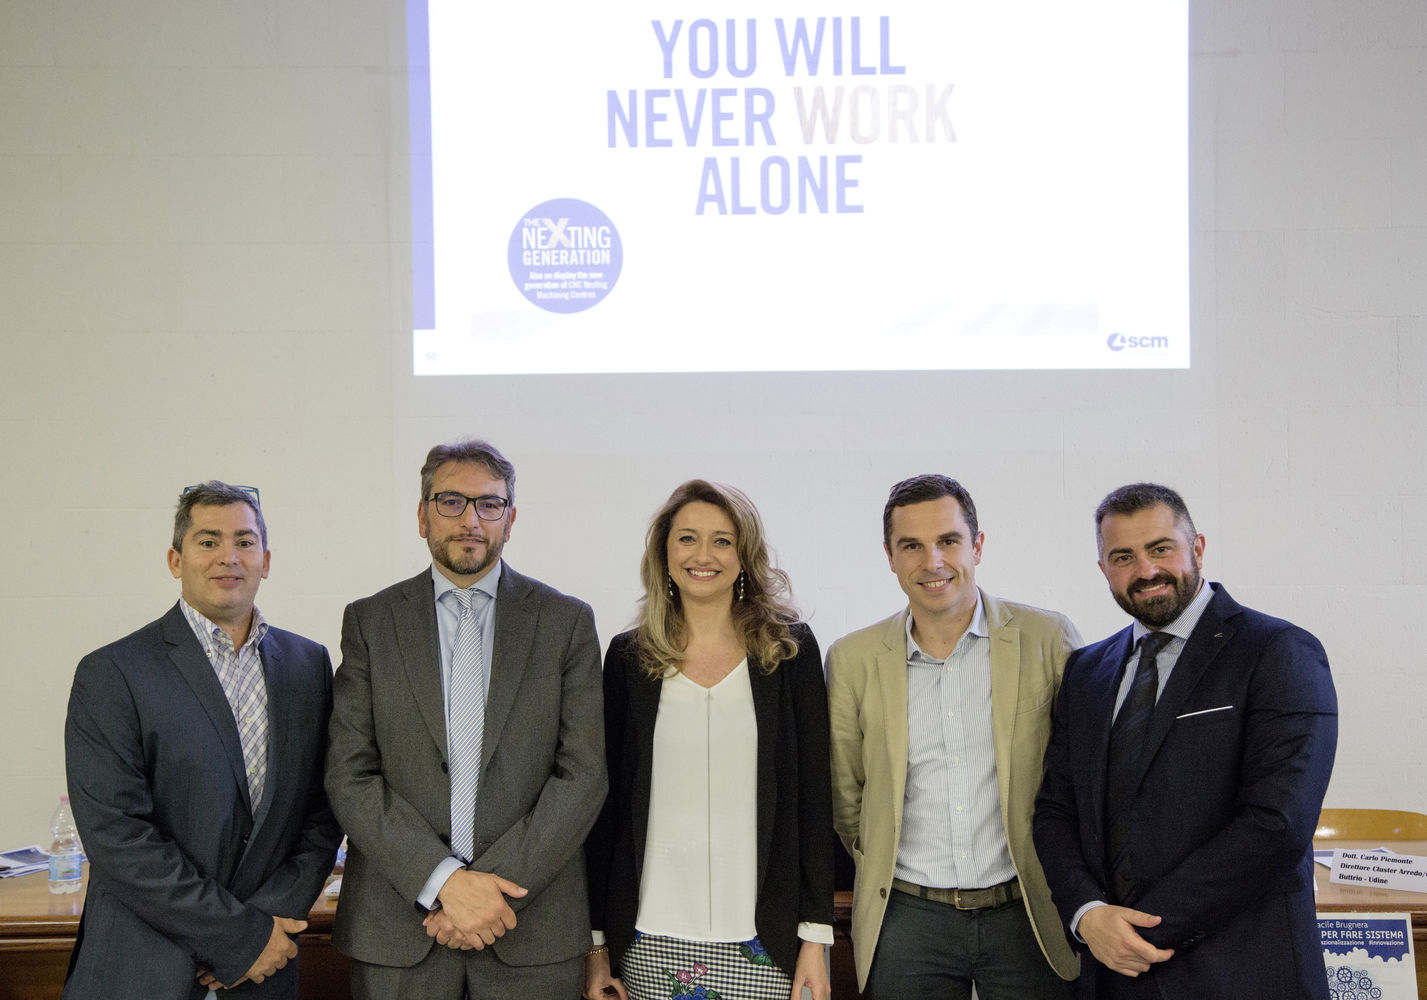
(1204, 711)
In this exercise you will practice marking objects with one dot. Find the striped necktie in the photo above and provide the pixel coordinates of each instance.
(466, 720)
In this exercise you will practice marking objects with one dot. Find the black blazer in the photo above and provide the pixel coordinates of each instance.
(795, 858)
(1236, 762)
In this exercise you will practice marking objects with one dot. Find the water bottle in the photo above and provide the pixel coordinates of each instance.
(66, 852)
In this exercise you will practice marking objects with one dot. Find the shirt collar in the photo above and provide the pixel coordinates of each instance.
(487, 584)
(977, 629)
(1182, 626)
(208, 633)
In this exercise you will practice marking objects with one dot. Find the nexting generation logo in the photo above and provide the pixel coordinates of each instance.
(565, 255)
(1119, 342)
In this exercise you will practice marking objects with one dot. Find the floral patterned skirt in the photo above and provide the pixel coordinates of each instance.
(664, 967)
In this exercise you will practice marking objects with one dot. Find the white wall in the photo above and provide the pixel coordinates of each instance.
(199, 205)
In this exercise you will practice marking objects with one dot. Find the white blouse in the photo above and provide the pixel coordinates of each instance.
(700, 853)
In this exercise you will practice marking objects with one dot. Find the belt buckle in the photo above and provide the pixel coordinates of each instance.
(977, 899)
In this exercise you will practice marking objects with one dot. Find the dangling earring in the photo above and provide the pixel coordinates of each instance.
(738, 585)
(672, 591)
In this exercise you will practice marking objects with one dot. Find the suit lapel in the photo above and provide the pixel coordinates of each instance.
(643, 713)
(277, 780)
(1100, 690)
(1211, 633)
(414, 622)
(1005, 651)
(515, 624)
(277, 725)
(765, 713)
(891, 667)
(193, 666)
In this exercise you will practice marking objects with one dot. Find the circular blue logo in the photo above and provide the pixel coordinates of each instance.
(1116, 341)
(565, 255)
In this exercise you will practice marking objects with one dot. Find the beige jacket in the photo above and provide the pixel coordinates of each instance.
(867, 701)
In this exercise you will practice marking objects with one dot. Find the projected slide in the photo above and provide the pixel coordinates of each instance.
(641, 187)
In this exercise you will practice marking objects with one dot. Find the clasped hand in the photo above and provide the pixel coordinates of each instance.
(1110, 932)
(474, 911)
(279, 950)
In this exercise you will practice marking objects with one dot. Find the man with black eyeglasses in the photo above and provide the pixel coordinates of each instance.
(466, 760)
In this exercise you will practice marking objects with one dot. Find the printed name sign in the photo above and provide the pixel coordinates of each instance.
(1380, 870)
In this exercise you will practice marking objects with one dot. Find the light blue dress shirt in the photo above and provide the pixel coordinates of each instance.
(952, 832)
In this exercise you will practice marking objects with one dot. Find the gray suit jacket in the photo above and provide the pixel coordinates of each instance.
(542, 768)
(182, 873)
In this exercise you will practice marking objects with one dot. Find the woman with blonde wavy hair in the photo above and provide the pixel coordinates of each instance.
(711, 863)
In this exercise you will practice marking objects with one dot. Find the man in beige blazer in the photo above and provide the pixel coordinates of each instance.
(940, 717)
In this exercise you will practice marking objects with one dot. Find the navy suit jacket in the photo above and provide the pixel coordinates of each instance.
(1236, 762)
(182, 873)
(795, 848)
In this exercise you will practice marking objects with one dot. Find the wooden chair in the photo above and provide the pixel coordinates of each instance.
(1370, 824)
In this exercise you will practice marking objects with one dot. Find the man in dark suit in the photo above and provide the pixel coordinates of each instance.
(1184, 778)
(194, 752)
(467, 790)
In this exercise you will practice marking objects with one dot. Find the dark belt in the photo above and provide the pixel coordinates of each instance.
(964, 899)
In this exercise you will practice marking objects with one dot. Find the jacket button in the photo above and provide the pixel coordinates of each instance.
(444, 768)
(883, 892)
(445, 840)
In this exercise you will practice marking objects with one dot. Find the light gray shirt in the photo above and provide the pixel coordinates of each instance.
(952, 832)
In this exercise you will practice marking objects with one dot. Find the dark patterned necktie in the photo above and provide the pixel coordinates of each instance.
(1127, 740)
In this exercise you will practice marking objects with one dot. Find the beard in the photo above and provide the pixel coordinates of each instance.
(453, 555)
(1157, 612)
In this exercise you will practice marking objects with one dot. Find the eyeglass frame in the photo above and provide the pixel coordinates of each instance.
(252, 492)
(436, 497)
